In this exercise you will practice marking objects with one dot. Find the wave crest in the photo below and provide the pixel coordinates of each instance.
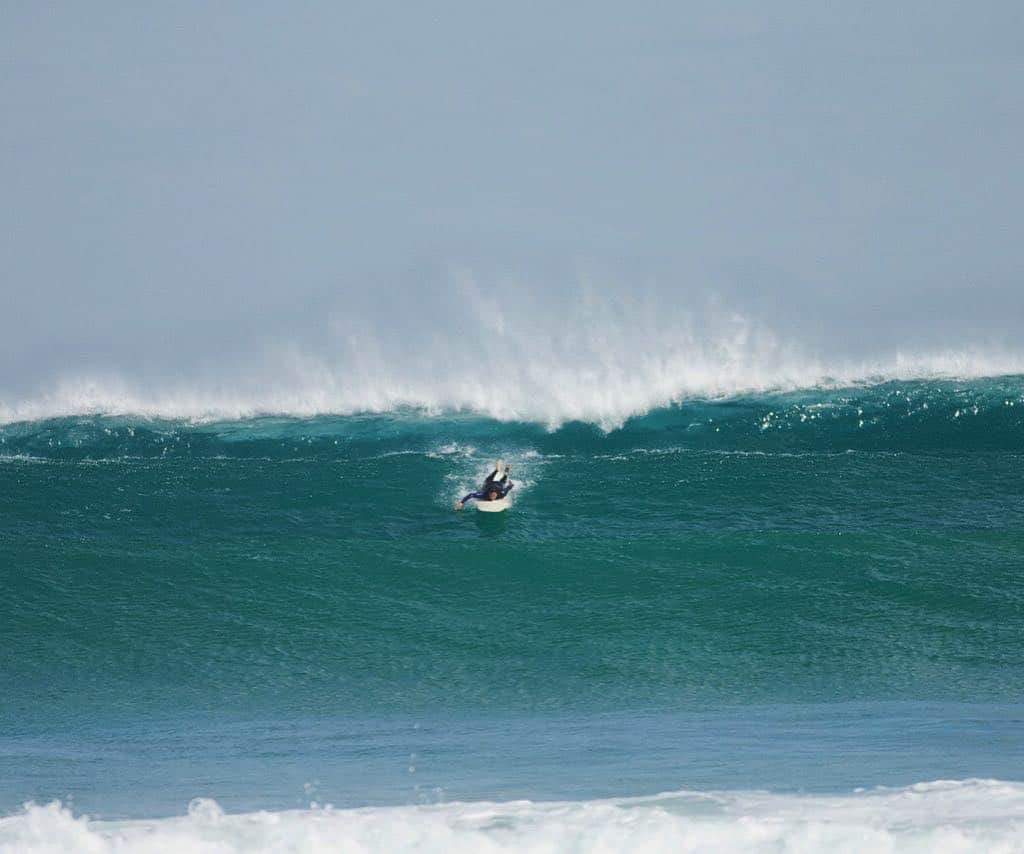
(607, 397)
(514, 355)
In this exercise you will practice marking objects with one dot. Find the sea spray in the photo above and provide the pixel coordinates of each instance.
(524, 355)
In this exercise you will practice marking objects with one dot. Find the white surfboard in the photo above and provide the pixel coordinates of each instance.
(495, 506)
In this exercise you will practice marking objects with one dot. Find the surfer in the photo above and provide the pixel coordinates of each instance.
(494, 487)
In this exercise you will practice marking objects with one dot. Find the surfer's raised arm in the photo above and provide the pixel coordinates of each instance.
(493, 477)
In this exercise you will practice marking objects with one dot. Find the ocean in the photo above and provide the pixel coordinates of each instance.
(783, 620)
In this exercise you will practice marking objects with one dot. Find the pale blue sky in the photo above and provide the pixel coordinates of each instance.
(185, 182)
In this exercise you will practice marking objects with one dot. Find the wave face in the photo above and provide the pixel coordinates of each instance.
(937, 415)
(965, 816)
(809, 591)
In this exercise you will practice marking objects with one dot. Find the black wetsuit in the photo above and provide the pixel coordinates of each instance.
(502, 485)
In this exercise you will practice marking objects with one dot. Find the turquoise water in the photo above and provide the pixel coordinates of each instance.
(804, 592)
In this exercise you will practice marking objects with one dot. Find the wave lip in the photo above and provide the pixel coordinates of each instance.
(543, 389)
(962, 816)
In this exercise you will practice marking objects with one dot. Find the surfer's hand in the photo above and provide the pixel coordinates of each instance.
(458, 505)
(508, 469)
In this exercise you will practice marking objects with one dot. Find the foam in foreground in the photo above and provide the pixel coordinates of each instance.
(961, 816)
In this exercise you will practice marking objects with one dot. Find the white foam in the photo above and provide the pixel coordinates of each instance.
(604, 398)
(22, 458)
(599, 358)
(954, 816)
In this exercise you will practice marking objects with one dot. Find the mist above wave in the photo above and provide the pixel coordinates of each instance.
(598, 355)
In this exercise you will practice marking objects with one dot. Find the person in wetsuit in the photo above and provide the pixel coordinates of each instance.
(494, 487)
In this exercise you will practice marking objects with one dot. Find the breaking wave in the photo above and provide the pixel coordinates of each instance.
(542, 391)
(576, 355)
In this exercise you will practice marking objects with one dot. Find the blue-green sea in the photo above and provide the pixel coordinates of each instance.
(797, 611)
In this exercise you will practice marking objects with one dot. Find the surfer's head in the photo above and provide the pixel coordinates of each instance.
(492, 495)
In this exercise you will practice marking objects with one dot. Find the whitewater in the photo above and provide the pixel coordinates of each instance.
(964, 816)
(509, 350)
